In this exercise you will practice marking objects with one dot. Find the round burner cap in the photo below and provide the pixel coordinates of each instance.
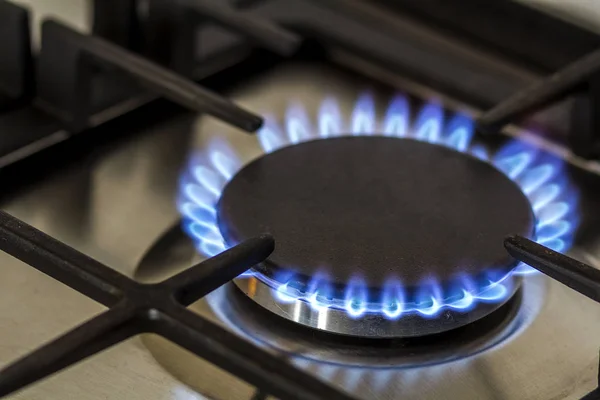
(376, 208)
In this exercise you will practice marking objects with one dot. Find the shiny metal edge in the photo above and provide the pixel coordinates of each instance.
(369, 325)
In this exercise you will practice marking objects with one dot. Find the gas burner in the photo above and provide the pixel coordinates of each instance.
(392, 235)
(363, 234)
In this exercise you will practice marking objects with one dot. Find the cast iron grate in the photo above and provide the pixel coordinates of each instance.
(159, 308)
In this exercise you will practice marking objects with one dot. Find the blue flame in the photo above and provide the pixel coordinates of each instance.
(393, 301)
(540, 177)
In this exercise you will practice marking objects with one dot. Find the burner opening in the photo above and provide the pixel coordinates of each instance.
(378, 225)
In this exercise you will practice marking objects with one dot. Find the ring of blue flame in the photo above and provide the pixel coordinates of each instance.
(541, 178)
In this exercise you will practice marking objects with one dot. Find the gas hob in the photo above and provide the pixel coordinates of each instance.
(115, 197)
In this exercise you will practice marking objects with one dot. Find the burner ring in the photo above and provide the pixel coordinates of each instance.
(425, 243)
(540, 177)
(369, 325)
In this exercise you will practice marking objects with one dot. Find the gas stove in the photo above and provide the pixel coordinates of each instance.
(379, 234)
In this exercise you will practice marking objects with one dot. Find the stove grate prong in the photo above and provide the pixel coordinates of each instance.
(541, 93)
(196, 282)
(89, 54)
(580, 277)
(63, 263)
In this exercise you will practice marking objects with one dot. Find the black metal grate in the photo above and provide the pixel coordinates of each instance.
(136, 308)
(69, 61)
(579, 78)
(66, 64)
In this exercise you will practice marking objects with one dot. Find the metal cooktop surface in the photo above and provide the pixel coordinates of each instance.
(119, 202)
(116, 201)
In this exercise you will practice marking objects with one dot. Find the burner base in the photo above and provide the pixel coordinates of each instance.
(369, 325)
(264, 327)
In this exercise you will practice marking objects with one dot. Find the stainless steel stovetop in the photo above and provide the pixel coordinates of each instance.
(120, 202)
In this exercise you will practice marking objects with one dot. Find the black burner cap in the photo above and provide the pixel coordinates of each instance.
(376, 208)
